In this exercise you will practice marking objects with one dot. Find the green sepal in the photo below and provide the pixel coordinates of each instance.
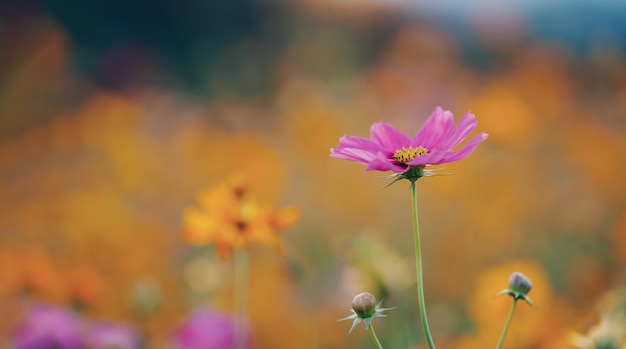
(516, 295)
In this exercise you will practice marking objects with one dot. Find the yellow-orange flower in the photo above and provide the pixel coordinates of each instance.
(608, 333)
(228, 217)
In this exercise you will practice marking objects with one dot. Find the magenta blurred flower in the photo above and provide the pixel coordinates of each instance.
(207, 329)
(47, 326)
(391, 150)
(104, 335)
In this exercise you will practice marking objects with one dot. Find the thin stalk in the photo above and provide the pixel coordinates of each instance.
(241, 297)
(374, 338)
(418, 269)
(506, 325)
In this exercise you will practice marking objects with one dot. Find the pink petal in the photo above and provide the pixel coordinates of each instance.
(432, 158)
(357, 142)
(438, 124)
(388, 137)
(467, 124)
(353, 154)
(381, 163)
(467, 148)
(355, 149)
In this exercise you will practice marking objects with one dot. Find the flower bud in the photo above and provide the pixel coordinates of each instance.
(519, 283)
(519, 286)
(364, 305)
(364, 308)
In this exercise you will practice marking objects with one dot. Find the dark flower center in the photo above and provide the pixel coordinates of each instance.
(241, 226)
(405, 155)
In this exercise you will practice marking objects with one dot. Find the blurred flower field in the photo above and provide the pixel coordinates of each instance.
(97, 182)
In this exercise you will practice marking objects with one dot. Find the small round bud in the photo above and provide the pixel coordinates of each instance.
(364, 308)
(519, 286)
(364, 305)
(519, 283)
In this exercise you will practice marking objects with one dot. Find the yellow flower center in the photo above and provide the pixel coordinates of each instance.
(405, 154)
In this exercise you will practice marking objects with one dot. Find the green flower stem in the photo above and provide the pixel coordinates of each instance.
(374, 338)
(506, 325)
(241, 296)
(418, 269)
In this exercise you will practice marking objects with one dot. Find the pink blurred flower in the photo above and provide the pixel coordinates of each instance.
(104, 335)
(47, 326)
(388, 149)
(207, 329)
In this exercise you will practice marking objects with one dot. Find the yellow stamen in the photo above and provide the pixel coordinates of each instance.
(405, 154)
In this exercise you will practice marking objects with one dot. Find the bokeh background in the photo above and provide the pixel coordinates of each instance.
(115, 115)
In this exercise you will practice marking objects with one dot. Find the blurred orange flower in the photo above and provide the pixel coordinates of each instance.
(229, 217)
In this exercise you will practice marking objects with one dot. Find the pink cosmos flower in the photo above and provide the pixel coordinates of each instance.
(208, 329)
(105, 335)
(391, 150)
(48, 326)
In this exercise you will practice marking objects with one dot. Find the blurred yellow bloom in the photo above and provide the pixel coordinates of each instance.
(609, 334)
(373, 265)
(228, 217)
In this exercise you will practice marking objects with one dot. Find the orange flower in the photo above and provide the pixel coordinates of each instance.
(229, 217)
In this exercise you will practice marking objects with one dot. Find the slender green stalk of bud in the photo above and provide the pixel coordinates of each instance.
(374, 338)
(364, 308)
(506, 324)
(519, 286)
